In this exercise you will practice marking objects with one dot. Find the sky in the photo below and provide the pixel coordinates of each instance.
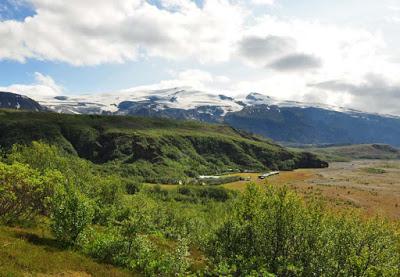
(343, 53)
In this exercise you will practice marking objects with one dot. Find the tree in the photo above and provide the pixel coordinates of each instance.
(25, 192)
(72, 213)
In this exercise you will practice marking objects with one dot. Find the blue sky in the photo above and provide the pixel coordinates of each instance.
(342, 52)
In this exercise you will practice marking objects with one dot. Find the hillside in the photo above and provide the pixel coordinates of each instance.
(157, 149)
(283, 121)
(46, 257)
(355, 152)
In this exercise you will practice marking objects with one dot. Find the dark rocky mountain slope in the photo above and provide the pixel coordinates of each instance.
(10, 100)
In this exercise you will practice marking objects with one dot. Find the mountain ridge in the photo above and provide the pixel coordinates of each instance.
(288, 122)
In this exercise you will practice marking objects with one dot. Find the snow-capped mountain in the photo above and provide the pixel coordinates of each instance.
(180, 98)
(284, 121)
(122, 102)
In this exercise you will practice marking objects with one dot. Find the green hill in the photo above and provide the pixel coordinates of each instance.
(157, 149)
(356, 152)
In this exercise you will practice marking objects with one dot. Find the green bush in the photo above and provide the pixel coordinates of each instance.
(72, 212)
(44, 157)
(274, 231)
(24, 192)
(133, 186)
(108, 247)
(137, 252)
(200, 194)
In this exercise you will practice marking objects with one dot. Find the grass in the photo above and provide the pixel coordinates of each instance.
(372, 170)
(27, 252)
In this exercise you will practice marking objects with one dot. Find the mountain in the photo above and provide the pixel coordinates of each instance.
(314, 125)
(157, 149)
(287, 122)
(355, 152)
(10, 100)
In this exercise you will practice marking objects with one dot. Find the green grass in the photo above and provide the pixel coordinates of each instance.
(28, 251)
(372, 170)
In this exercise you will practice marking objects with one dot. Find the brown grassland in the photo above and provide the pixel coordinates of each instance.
(370, 185)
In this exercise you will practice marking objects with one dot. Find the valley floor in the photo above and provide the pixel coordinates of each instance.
(370, 185)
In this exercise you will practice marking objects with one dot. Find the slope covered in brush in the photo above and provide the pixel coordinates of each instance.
(157, 149)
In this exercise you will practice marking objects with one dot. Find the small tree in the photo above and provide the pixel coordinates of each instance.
(133, 186)
(24, 192)
(72, 213)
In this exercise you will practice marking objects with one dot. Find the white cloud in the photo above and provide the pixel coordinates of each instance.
(44, 86)
(193, 78)
(393, 19)
(263, 2)
(92, 32)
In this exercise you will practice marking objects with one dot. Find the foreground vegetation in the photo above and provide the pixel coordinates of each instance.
(82, 209)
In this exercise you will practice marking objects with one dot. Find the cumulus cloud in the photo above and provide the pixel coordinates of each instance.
(92, 32)
(43, 86)
(296, 62)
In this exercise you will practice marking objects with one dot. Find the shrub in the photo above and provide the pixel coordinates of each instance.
(184, 190)
(137, 252)
(274, 231)
(218, 194)
(71, 214)
(24, 192)
(106, 246)
(133, 186)
(44, 157)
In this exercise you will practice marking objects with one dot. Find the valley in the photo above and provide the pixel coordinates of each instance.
(371, 186)
(199, 138)
(146, 196)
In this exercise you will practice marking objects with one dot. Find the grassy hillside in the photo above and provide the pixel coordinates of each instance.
(157, 149)
(46, 257)
(356, 152)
